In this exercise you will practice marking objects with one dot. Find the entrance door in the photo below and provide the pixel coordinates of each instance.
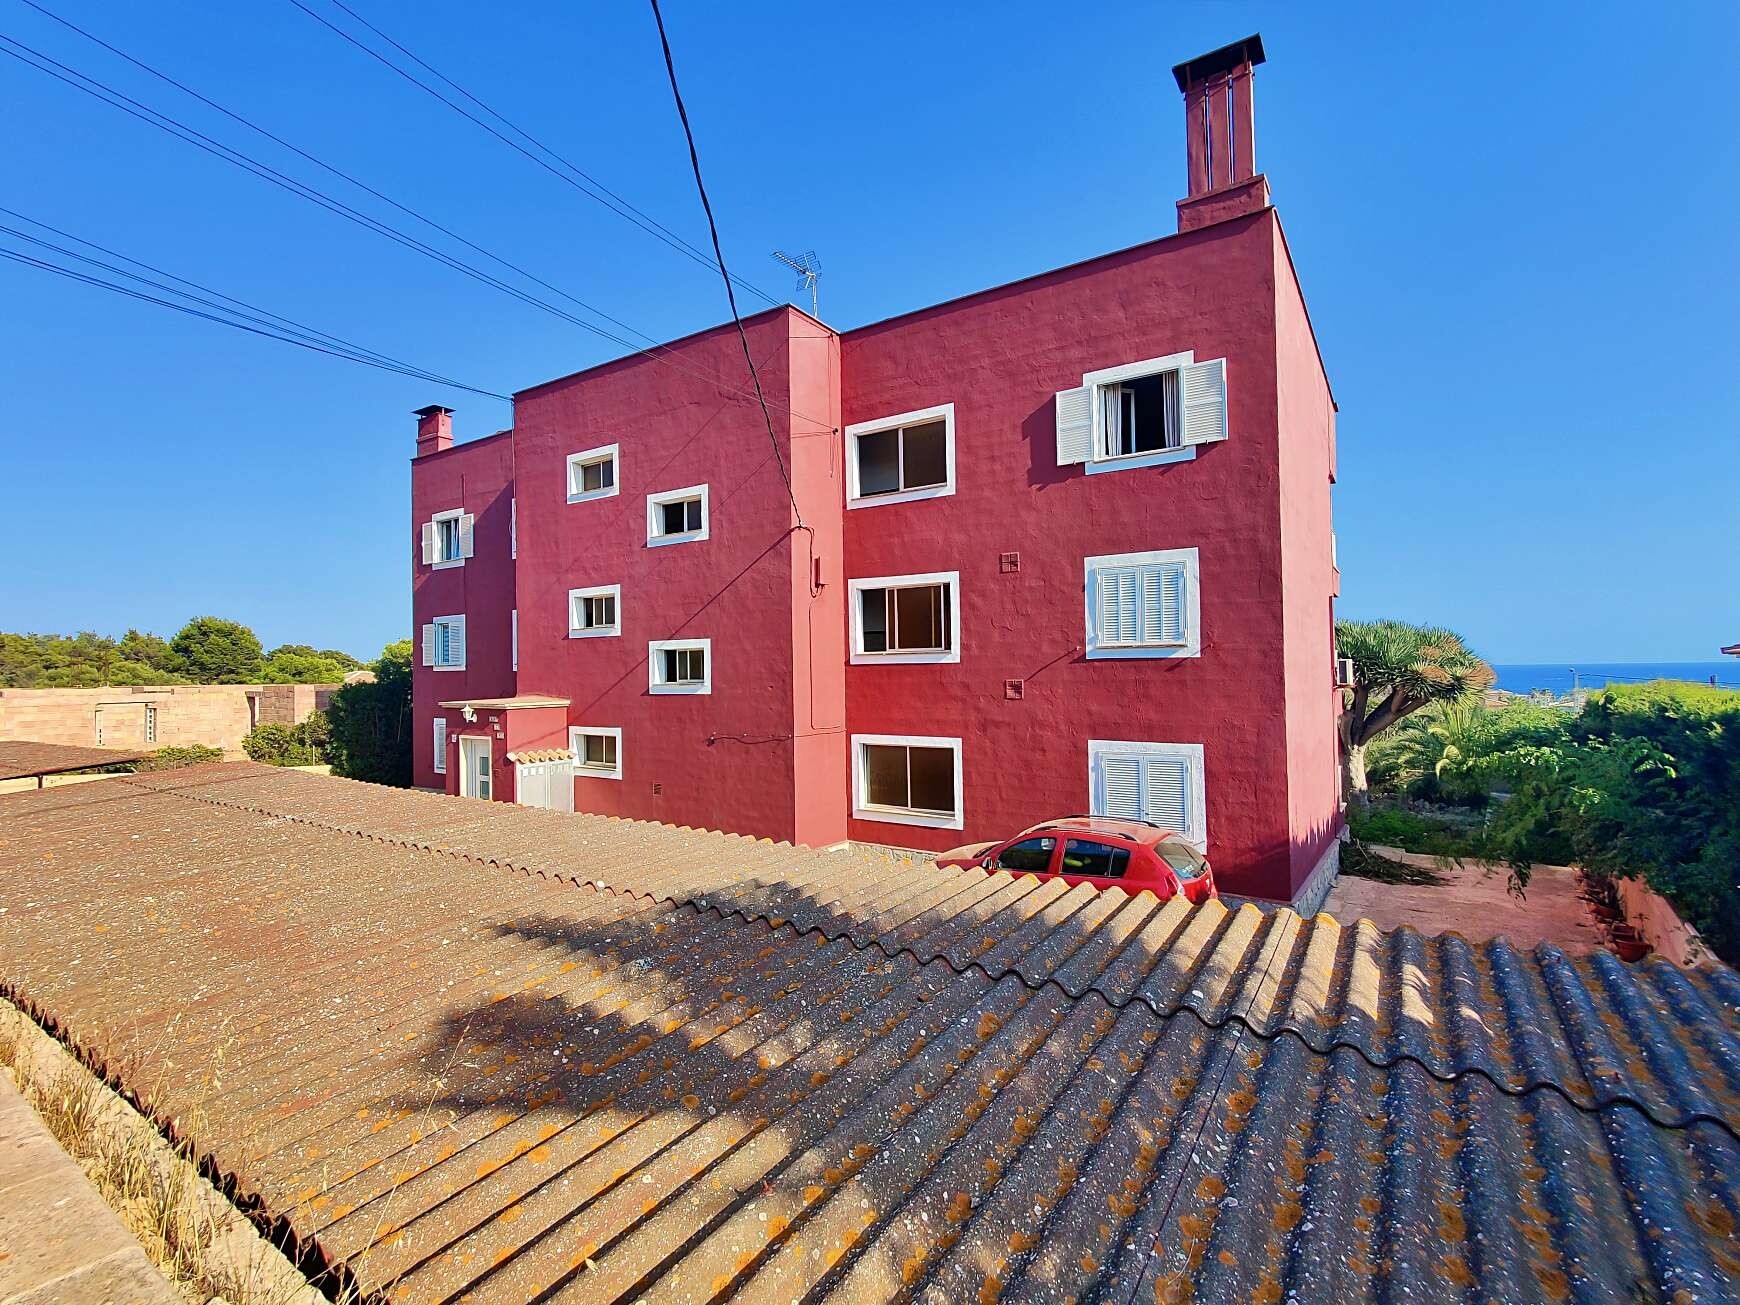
(474, 772)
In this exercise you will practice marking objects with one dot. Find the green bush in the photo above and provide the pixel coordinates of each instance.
(1413, 831)
(302, 744)
(174, 758)
(371, 723)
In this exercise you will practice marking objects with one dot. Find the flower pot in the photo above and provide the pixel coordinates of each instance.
(1631, 949)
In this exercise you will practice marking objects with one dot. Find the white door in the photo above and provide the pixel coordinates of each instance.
(474, 772)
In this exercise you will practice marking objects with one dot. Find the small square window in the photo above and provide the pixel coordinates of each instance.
(680, 666)
(678, 516)
(594, 613)
(901, 459)
(597, 752)
(911, 618)
(592, 474)
(444, 643)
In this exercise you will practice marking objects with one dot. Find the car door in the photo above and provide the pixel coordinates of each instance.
(1034, 854)
(1100, 860)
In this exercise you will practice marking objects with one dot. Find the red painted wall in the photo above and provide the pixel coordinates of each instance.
(1000, 357)
(478, 477)
(1309, 581)
(728, 759)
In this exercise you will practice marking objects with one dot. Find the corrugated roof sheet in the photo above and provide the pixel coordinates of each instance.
(740, 1070)
(23, 758)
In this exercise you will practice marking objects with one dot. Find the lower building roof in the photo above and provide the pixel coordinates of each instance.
(518, 701)
(469, 1047)
(23, 758)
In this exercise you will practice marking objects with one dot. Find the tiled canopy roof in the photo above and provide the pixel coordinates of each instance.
(22, 758)
(465, 1046)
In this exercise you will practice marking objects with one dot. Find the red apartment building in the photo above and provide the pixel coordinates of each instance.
(1060, 546)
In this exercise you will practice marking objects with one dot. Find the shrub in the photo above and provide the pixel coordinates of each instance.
(302, 744)
(174, 758)
(1413, 831)
(371, 723)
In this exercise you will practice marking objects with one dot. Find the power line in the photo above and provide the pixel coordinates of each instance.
(586, 184)
(115, 99)
(719, 257)
(75, 275)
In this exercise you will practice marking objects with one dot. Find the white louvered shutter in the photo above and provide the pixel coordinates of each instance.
(1120, 787)
(428, 543)
(456, 641)
(1202, 401)
(466, 523)
(1075, 426)
(440, 745)
(513, 527)
(428, 645)
(1166, 793)
(514, 628)
(1163, 615)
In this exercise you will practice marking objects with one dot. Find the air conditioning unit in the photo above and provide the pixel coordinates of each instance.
(1344, 672)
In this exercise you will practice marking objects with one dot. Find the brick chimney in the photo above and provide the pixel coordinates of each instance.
(434, 429)
(1220, 135)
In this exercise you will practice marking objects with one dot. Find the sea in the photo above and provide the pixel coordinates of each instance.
(1563, 679)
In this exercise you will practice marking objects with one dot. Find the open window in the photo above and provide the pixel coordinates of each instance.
(592, 474)
(448, 539)
(680, 666)
(906, 618)
(595, 613)
(901, 459)
(677, 516)
(1142, 414)
(1144, 604)
(597, 752)
(907, 780)
(444, 643)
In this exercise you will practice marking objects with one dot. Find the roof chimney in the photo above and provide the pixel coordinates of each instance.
(434, 429)
(1220, 135)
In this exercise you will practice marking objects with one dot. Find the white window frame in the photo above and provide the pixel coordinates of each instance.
(613, 592)
(438, 622)
(656, 501)
(1095, 381)
(454, 515)
(1190, 646)
(861, 808)
(585, 457)
(855, 498)
(575, 735)
(1193, 756)
(150, 723)
(859, 657)
(514, 636)
(655, 665)
(440, 727)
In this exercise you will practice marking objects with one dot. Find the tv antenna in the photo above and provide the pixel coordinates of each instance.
(809, 271)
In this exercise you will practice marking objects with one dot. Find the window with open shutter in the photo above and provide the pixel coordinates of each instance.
(1142, 414)
(429, 543)
(467, 526)
(1203, 387)
(429, 645)
(1075, 426)
(1143, 604)
(1161, 783)
(444, 643)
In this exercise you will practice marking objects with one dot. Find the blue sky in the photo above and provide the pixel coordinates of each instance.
(1514, 225)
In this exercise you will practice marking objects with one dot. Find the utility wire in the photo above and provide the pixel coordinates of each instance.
(163, 122)
(719, 257)
(218, 301)
(579, 179)
(75, 275)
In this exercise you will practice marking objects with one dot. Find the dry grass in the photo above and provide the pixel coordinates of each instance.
(151, 1187)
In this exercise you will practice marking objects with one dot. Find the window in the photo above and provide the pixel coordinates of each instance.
(907, 780)
(150, 724)
(440, 745)
(680, 666)
(901, 459)
(597, 752)
(1144, 605)
(514, 635)
(593, 613)
(1161, 783)
(1142, 414)
(1084, 856)
(678, 516)
(513, 527)
(447, 539)
(1029, 856)
(592, 474)
(906, 618)
(444, 643)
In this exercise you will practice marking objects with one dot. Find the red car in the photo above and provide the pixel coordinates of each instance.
(1100, 851)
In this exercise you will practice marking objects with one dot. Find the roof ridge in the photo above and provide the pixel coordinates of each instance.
(1602, 1092)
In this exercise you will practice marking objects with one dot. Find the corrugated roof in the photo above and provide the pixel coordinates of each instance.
(630, 1070)
(23, 758)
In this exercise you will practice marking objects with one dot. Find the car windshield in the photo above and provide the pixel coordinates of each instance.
(1185, 861)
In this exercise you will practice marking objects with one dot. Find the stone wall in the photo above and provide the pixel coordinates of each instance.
(150, 717)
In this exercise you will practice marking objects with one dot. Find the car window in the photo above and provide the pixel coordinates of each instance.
(1186, 861)
(1083, 856)
(1032, 855)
